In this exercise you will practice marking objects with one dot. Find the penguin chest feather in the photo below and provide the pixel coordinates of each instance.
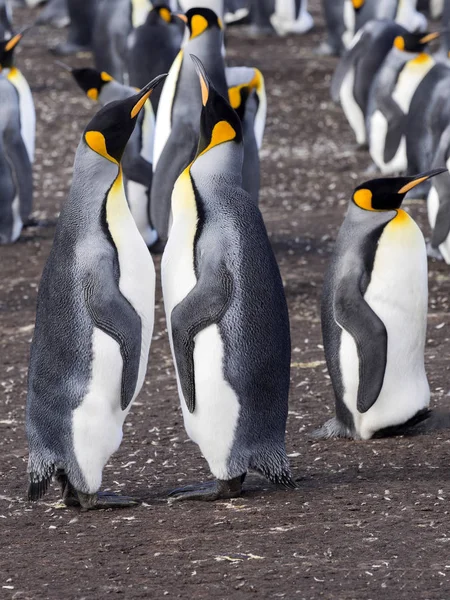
(398, 294)
(409, 79)
(352, 110)
(98, 420)
(27, 111)
(214, 420)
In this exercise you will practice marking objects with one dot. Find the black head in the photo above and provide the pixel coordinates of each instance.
(91, 81)
(160, 12)
(199, 20)
(111, 128)
(7, 48)
(388, 193)
(219, 123)
(414, 42)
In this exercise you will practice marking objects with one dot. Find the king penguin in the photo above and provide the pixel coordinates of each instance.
(56, 13)
(357, 69)
(16, 179)
(178, 117)
(374, 314)
(247, 95)
(226, 313)
(26, 104)
(153, 46)
(390, 98)
(137, 158)
(6, 30)
(82, 16)
(281, 16)
(333, 12)
(94, 321)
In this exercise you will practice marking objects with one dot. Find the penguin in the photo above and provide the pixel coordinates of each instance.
(56, 13)
(16, 178)
(438, 203)
(82, 16)
(333, 12)
(247, 95)
(357, 69)
(94, 321)
(226, 313)
(281, 16)
(153, 46)
(390, 97)
(26, 103)
(115, 20)
(236, 12)
(216, 6)
(137, 157)
(6, 29)
(374, 314)
(359, 12)
(444, 50)
(178, 117)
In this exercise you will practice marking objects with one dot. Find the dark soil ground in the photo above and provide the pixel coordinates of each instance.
(369, 519)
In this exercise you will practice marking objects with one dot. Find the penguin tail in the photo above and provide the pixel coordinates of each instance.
(39, 483)
(274, 465)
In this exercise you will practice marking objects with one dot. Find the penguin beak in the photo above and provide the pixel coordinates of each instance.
(203, 78)
(145, 94)
(182, 17)
(419, 179)
(430, 37)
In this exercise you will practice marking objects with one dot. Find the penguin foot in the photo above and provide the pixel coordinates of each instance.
(332, 429)
(326, 50)
(68, 48)
(209, 491)
(434, 252)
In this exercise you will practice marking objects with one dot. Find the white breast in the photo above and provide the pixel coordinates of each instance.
(377, 143)
(408, 16)
(148, 132)
(410, 77)
(398, 294)
(352, 111)
(27, 112)
(137, 195)
(17, 219)
(349, 22)
(433, 203)
(213, 423)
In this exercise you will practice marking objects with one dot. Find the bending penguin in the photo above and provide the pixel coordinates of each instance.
(374, 314)
(390, 99)
(94, 321)
(16, 179)
(247, 95)
(137, 158)
(153, 46)
(357, 68)
(178, 117)
(226, 313)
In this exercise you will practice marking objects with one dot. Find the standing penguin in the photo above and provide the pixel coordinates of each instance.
(56, 13)
(438, 204)
(16, 179)
(137, 158)
(390, 99)
(94, 321)
(247, 95)
(82, 15)
(6, 30)
(357, 69)
(374, 314)
(281, 16)
(333, 11)
(226, 313)
(177, 121)
(153, 46)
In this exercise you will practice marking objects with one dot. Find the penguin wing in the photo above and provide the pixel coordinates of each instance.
(19, 159)
(396, 126)
(353, 314)
(112, 313)
(347, 61)
(442, 224)
(205, 305)
(136, 168)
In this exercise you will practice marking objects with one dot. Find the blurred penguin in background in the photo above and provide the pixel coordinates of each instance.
(333, 11)
(281, 16)
(153, 46)
(82, 16)
(55, 13)
(6, 29)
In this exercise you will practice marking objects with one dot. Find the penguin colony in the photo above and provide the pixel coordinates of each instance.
(170, 164)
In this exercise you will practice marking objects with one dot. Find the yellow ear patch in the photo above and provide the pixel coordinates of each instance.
(198, 25)
(363, 199)
(399, 43)
(137, 107)
(105, 76)
(13, 42)
(96, 142)
(92, 93)
(357, 3)
(164, 13)
(222, 132)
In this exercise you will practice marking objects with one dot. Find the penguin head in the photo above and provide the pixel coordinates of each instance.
(414, 42)
(388, 193)
(358, 4)
(161, 11)
(110, 129)
(199, 20)
(7, 49)
(219, 123)
(91, 81)
(238, 94)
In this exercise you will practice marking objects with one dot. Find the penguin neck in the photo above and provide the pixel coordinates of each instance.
(113, 90)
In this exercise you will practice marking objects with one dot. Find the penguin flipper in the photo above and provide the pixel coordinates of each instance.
(346, 62)
(135, 167)
(355, 316)
(113, 314)
(442, 225)
(396, 126)
(18, 155)
(203, 306)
